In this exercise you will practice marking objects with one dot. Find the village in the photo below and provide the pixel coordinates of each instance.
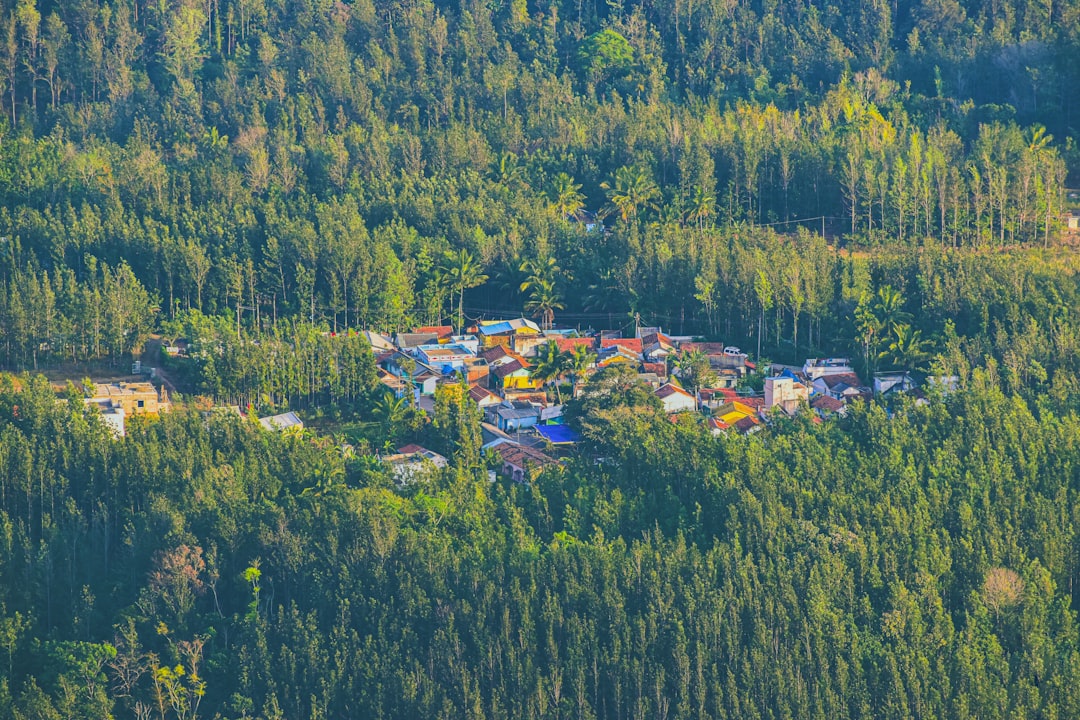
(517, 375)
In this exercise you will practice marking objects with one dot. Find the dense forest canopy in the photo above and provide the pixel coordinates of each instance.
(886, 180)
(317, 160)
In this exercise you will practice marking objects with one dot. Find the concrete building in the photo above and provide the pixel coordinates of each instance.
(785, 392)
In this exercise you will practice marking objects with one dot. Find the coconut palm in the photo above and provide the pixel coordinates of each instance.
(460, 271)
(578, 362)
(694, 370)
(544, 300)
(907, 349)
(631, 190)
(550, 365)
(566, 198)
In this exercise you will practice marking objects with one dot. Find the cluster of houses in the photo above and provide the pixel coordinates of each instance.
(524, 428)
(496, 359)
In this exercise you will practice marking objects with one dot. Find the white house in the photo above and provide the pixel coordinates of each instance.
(675, 399)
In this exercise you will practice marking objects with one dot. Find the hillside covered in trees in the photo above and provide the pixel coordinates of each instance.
(260, 178)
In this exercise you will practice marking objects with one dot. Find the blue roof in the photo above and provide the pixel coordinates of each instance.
(558, 434)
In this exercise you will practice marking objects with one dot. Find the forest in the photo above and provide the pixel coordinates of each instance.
(265, 177)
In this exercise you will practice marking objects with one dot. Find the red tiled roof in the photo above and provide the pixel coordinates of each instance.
(826, 403)
(443, 331)
(658, 368)
(568, 344)
(519, 455)
(653, 338)
(478, 393)
(507, 368)
(494, 353)
(832, 381)
(746, 424)
(718, 424)
(752, 402)
(631, 344)
(665, 391)
(411, 448)
(726, 393)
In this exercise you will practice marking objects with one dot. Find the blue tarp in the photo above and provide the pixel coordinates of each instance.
(558, 434)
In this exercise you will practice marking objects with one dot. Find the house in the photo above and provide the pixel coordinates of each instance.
(657, 347)
(513, 373)
(137, 398)
(569, 345)
(406, 341)
(815, 368)
(675, 399)
(511, 416)
(112, 416)
(826, 406)
(786, 392)
(890, 382)
(424, 377)
(713, 398)
(282, 422)
(447, 358)
(378, 341)
(734, 410)
(630, 346)
(519, 461)
(842, 386)
(503, 332)
(1072, 222)
(483, 397)
(469, 342)
(721, 357)
(617, 355)
(659, 369)
(441, 332)
(413, 463)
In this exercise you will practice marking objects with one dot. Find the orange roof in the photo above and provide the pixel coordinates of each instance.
(569, 344)
(668, 390)
(443, 331)
(631, 344)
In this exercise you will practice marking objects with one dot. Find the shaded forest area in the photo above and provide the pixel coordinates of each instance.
(922, 564)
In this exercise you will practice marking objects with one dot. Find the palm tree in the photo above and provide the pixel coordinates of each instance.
(544, 300)
(388, 409)
(889, 309)
(702, 206)
(578, 362)
(460, 271)
(908, 349)
(630, 190)
(537, 271)
(566, 200)
(694, 369)
(549, 366)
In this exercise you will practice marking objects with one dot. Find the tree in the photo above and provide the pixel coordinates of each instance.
(544, 300)
(549, 366)
(764, 291)
(694, 370)
(460, 271)
(579, 364)
(631, 190)
(907, 349)
(565, 197)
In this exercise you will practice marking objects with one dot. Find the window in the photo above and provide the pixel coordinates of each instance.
(141, 403)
